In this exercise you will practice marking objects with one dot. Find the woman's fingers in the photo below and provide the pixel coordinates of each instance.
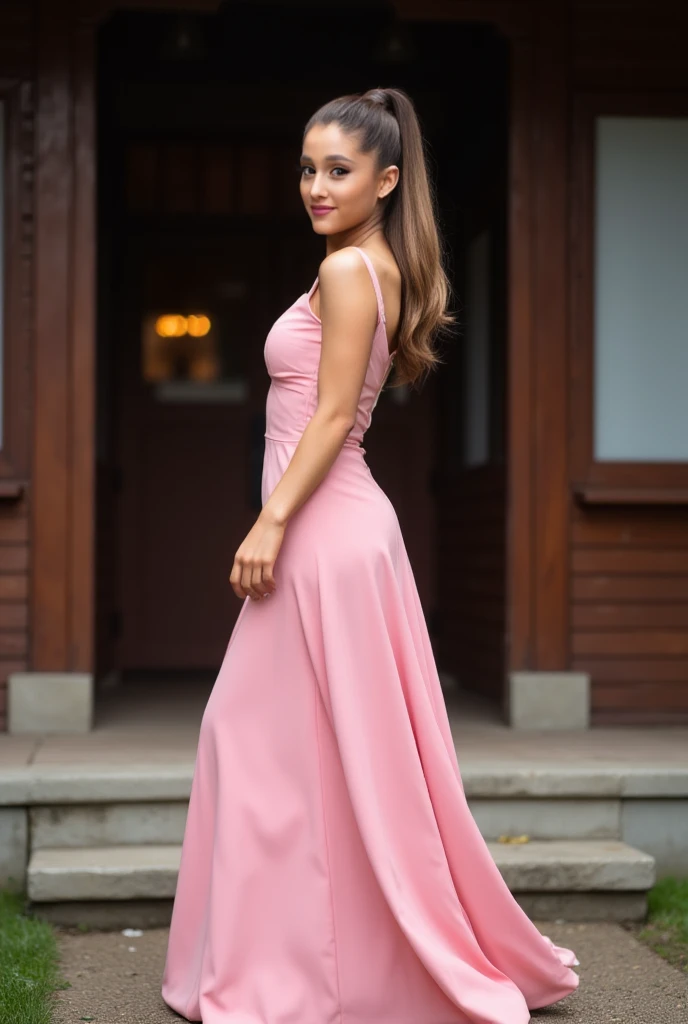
(252, 580)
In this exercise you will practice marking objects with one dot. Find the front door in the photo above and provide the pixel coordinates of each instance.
(191, 396)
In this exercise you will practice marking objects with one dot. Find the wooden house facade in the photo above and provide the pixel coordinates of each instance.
(149, 157)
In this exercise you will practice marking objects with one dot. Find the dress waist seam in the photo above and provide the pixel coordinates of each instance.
(349, 443)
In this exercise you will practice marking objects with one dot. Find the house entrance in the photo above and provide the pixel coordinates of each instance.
(203, 242)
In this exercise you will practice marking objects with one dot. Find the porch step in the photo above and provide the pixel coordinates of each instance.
(563, 867)
(103, 873)
(133, 822)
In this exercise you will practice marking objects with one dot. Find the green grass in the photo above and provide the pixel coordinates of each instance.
(30, 966)
(666, 929)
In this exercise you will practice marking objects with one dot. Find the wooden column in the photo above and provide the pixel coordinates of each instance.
(538, 500)
(63, 456)
(520, 362)
(550, 649)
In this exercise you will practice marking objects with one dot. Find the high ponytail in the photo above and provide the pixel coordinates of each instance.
(384, 121)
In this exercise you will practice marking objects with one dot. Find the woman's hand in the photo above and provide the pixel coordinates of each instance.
(252, 574)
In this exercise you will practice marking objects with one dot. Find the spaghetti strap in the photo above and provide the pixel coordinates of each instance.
(376, 283)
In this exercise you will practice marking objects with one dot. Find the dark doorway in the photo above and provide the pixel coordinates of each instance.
(200, 121)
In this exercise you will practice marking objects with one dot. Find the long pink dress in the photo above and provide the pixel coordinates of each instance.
(331, 871)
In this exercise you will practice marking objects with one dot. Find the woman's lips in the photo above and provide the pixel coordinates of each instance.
(318, 210)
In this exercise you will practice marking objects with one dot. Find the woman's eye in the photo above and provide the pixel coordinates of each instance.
(303, 171)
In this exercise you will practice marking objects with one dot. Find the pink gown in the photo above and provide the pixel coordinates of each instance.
(331, 870)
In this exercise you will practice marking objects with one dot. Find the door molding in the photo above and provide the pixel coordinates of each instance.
(64, 402)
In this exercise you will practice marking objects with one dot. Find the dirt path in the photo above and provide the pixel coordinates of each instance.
(116, 979)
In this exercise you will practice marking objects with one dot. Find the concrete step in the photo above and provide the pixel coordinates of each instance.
(566, 867)
(57, 806)
(52, 784)
(103, 873)
(163, 821)
(574, 865)
(119, 823)
(107, 824)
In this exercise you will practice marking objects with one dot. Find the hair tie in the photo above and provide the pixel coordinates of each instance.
(380, 97)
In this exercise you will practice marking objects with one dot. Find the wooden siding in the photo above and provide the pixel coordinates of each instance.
(16, 63)
(628, 584)
(14, 591)
(629, 604)
(629, 44)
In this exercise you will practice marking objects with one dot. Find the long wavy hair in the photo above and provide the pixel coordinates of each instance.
(384, 121)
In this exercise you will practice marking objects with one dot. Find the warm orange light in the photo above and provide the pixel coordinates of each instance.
(171, 325)
(198, 326)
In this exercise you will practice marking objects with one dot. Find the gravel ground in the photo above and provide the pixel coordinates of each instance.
(116, 980)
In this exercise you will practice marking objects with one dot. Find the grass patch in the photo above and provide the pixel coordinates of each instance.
(666, 929)
(30, 965)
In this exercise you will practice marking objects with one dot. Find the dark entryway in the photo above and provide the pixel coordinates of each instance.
(200, 121)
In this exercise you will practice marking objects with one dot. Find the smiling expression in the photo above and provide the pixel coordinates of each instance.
(341, 187)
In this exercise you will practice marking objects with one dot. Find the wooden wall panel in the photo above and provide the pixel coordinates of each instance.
(16, 69)
(550, 339)
(629, 611)
(626, 45)
(63, 456)
(629, 561)
(14, 593)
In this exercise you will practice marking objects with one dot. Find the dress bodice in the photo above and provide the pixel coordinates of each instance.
(292, 358)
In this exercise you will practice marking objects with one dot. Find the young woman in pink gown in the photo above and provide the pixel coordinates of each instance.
(331, 870)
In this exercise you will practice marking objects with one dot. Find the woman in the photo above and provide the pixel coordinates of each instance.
(331, 871)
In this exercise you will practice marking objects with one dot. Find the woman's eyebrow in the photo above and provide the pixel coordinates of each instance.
(333, 156)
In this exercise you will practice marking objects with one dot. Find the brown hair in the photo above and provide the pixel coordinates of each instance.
(385, 121)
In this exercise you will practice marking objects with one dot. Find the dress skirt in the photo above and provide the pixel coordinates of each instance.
(331, 871)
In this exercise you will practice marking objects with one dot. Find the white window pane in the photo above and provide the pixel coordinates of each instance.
(641, 289)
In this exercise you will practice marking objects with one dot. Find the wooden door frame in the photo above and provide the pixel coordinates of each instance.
(538, 505)
(64, 399)
(63, 476)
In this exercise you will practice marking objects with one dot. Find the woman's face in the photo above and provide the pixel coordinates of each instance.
(340, 186)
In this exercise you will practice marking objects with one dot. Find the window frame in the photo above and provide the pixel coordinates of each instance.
(607, 482)
(16, 336)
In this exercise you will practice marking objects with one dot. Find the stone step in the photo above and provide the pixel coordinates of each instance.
(131, 823)
(48, 784)
(107, 824)
(574, 865)
(150, 871)
(103, 873)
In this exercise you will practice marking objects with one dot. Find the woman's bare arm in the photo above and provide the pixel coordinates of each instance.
(348, 311)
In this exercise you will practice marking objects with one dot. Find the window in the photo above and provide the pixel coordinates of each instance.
(629, 308)
(641, 289)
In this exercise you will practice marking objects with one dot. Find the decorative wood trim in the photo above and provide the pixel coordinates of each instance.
(661, 477)
(83, 368)
(50, 508)
(587, 494)
(63, 471)
(550, 369)
(14, 454)
(519, 488)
